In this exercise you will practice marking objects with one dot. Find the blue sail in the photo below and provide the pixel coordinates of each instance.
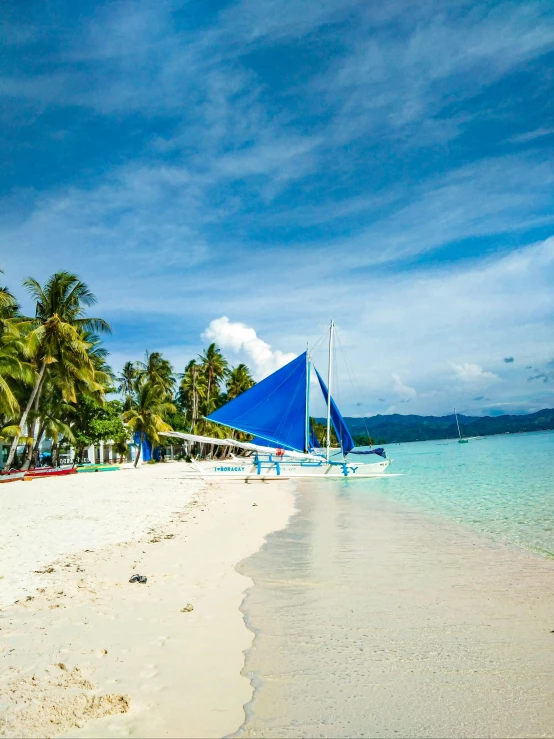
(313, 438)
(264, 442)
(341, 430)
(273, 409)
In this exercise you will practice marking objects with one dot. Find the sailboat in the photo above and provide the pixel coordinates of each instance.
(461, 439)
(276, 412)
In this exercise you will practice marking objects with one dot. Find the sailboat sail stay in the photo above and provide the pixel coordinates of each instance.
(276, 411)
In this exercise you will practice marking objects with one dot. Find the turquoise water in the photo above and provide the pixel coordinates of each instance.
(500, 485)
(377, 614)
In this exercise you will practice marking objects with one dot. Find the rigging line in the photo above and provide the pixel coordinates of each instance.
(313, 348)
(356, 389)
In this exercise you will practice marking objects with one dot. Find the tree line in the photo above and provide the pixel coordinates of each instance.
(55, 380)
(56, 383)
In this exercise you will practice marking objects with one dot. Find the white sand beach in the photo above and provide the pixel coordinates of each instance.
(453, 636)
(83, 652)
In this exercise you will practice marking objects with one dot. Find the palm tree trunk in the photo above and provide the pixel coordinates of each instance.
(30, 443)
(28, 453)
(139, 449)
(194, 409)
(54, 453)
(36, 448)
(23, 420)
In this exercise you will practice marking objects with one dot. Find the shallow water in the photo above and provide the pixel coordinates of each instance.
(377, 614)
(501, 485)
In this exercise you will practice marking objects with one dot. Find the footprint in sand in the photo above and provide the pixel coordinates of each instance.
(150, 672)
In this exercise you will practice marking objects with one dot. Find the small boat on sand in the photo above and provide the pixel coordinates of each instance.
(51, 471)
(98, 468)
(11, 476)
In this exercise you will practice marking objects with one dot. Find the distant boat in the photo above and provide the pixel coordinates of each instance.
(461, 439)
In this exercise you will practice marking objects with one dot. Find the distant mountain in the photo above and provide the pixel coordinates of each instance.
(397, 428)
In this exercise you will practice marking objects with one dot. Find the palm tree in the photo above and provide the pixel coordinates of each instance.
(126, 382)
(120, 447)
(192, 389)
(15, 372)
(8, 303)
(158, 371)
(238, 381)
(54, 423)
(6, 298)
(146, 416)
(215, 368)
(57, 338)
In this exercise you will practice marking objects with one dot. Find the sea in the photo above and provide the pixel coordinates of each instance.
(312, 594)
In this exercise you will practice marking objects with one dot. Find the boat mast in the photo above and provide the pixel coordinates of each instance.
(329, 381)
(307, 431)
(458, 425)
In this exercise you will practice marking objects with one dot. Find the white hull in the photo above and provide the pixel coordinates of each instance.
(237, 469)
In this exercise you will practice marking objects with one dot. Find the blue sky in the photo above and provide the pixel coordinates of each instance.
(245, 171)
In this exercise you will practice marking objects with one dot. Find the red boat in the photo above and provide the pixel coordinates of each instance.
(51, 471)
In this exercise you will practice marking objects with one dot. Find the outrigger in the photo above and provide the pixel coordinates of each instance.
(276, 412)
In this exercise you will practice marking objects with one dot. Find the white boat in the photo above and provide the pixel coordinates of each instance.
(266, 463)
(12, 476)
(276, 411)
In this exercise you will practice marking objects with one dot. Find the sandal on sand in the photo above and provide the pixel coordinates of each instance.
(141, 579)
(135, 578)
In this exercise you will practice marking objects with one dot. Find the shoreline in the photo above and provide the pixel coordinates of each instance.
(90, 654)
(447, 630)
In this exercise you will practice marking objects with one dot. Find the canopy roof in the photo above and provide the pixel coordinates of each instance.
(195, 437)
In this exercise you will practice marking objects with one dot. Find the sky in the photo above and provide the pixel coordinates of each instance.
(244, 172)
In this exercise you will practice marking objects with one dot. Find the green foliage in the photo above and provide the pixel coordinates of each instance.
(320, 431)
(93, 422)
(215, 369)
(54, 378)
(146, 416)
(238, 381)
(364, 440)
(178, 420)
(49, 360)
(158, 372)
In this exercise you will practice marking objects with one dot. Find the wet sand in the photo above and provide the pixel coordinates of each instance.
(373, 619)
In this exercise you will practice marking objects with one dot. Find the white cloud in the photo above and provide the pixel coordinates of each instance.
(397, 83)
(472, 373)
(238, 337)
(404, 391)
(537, 133)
